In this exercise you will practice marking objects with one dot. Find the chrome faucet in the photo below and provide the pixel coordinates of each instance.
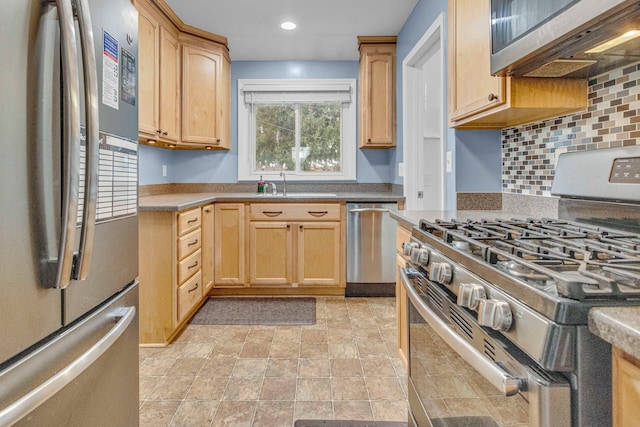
(284, 183)
(274, 191)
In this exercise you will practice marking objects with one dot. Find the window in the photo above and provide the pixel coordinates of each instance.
(304, 127)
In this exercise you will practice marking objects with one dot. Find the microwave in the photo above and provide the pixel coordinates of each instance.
(563, 38)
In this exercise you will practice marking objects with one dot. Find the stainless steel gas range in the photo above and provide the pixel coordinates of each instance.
(498, 308)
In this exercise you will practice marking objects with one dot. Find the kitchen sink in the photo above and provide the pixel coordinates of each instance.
(308, 195)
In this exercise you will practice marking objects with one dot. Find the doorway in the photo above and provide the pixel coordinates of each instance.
(424, 121)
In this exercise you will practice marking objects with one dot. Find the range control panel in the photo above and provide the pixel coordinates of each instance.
(625, 171)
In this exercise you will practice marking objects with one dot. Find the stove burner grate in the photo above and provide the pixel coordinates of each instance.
(556, 256)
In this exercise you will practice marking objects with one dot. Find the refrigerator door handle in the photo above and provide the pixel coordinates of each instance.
(30, 401)
(71, 143)
(92, 143)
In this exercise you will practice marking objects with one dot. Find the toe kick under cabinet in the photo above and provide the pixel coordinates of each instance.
(175, 269)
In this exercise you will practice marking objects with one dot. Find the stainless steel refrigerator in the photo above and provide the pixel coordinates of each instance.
(68, 213)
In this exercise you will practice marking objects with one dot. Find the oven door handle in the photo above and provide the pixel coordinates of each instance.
(499, 378)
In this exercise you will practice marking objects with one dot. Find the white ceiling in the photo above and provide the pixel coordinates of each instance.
(327, 29)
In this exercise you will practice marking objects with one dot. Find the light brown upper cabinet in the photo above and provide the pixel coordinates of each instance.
(376, 92)
(184, 82)
(205, 94)
(159, 73)
(478, 100)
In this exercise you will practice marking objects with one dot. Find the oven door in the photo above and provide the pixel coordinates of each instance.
(453, 383)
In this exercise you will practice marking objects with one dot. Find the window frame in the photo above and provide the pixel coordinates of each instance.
(246, 141)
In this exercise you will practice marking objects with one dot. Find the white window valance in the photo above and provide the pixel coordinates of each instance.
(284, 91)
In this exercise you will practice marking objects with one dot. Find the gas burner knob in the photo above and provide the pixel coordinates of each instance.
(495, 314)
(470, 295)
(420, 257)
(441, 272)
(407, 247)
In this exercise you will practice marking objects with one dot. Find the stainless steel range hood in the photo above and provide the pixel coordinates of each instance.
(555, 43)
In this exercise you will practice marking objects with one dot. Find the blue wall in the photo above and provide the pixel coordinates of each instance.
(478, 161)
(373, 166)
(476, 154)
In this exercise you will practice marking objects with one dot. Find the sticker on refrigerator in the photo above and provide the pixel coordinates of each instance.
(129, 77)
(117, 195)
(110, 70)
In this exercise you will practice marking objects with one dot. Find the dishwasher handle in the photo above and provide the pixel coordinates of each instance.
(359, 210)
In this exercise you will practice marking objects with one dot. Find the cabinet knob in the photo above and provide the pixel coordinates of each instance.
(288, 226)
(165, 133)
(159, 131)
(218, 140)
(492, 97)
(368, 139)
(301, 228)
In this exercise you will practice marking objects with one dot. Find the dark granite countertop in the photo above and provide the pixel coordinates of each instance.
(182, 201)
(619, 326)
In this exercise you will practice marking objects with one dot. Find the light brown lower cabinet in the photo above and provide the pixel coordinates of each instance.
(626, 389)
(171, 249)
(296, 245)
(402, 235)
(314, 262)
(229, 245)
(208, 221)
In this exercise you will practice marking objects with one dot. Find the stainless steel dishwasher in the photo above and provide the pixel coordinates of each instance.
(371, 265)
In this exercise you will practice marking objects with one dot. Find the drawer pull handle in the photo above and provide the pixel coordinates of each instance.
(318, 213)
(272, 213)
(192, 220)
(192, 266)
(194, 288)
(195, 242)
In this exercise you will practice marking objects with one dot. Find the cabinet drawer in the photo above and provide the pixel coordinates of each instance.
(188, 221)
(188, 266)
(295, 212)
(189, 243)
(402, 235)
(189, 295)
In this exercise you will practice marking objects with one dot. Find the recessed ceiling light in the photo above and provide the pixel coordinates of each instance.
(288, 25)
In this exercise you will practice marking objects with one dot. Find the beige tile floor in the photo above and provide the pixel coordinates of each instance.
(343, 367)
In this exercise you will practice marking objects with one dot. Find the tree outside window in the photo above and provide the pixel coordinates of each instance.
(298, 137)
(303, 127)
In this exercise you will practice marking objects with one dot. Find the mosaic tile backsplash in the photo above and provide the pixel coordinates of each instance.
(612, 119)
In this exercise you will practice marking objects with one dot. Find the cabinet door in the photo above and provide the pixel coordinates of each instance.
(270, 253)
(377, 108)
(626, 389)
(201, 80)
(318, 254)
(401, 313)
(148, 72)
(229, 245)
(472, 88)
(169, 85)
(207, 247)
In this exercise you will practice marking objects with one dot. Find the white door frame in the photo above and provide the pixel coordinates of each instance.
(432, 40)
